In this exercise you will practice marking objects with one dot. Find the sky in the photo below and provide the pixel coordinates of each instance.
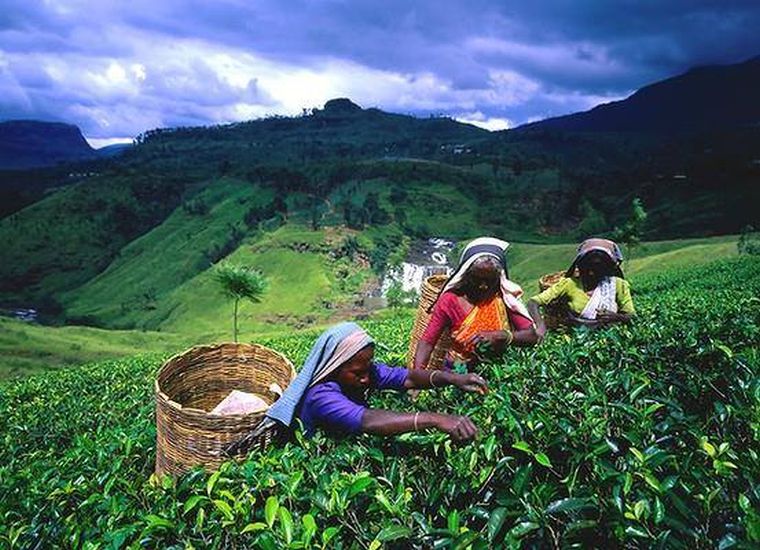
(119, 68)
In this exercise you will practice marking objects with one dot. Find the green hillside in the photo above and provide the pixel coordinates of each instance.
(67, 238)
(163, 281)
(358, 167)
(633, 436)
(298, 282)
(206, 228)
(106, 237)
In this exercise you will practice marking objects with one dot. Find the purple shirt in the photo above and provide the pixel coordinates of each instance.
(326, 406)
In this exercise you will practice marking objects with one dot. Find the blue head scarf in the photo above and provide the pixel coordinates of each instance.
(324, 357)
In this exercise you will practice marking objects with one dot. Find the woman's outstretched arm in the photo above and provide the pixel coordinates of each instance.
(418, 379)
(382, 422)
(525, 337)
(422, 354)
(535, 313)
(613, 317)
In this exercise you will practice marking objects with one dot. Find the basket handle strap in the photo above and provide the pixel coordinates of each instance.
(429, 309)
(244, 444)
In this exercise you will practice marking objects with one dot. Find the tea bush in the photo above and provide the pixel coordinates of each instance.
(634, 436)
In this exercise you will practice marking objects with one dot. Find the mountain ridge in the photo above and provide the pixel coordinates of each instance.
(26, 144)
(703, 98)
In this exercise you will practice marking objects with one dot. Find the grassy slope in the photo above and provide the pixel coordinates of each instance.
(297, 281)
(55, 243)
(154, 265)
(300, 284)
(27, 349)
(67, 238)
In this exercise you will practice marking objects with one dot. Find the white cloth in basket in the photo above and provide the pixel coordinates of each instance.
(239, 402)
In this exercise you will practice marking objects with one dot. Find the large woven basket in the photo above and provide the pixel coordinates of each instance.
(194, 382)
(429, 292)
(554, 314)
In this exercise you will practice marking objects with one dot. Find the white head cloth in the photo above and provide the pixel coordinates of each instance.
(489, 247)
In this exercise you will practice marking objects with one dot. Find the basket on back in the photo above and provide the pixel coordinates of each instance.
(429, 291)
(554, 314)
(191, 384)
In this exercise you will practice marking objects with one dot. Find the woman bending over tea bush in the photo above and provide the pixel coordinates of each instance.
(479, 306)
(598, 295)
(331, 390)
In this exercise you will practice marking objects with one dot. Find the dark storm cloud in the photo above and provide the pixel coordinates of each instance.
(119, 65)
(649, 39)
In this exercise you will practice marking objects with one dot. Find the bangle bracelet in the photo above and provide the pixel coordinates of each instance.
(416, 416)
(510, 337)
(432, 379)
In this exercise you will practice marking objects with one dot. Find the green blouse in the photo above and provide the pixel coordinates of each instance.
(570, 290)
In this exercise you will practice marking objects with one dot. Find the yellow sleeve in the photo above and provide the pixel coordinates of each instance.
(623, 296)
(555, 291)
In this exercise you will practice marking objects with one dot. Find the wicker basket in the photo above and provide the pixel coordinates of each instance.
(431, 287)
(194, 382)
(554, 314)
(550, 279)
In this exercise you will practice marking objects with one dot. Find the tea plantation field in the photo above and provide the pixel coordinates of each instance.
(630, 437)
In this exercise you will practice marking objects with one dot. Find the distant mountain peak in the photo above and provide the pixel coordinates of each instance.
(36, 143)
(341, 105)
(32, 123)
(703, 98)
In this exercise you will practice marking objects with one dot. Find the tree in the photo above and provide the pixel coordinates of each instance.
(749, 241)
(240, 283)
(397, 297)
(315, 211)
(375, 215)
(352, 215)
(592, 223)
(630, 233)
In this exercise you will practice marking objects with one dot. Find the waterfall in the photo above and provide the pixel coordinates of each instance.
(425, 258)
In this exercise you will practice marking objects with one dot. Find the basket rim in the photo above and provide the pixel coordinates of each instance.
(554, 273)
(436, 276)
(163, 397)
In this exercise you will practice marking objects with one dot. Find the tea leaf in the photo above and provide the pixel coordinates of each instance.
(270, 510)
(258, 526)
(495, 522)
(707, 447)
(212, 481)
(393, 532)
(360, 485)
(224, 508)
(542, 459)
(522, 446)
(286, 524)
(566, 505)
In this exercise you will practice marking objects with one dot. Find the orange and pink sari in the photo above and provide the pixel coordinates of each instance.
(485, 317)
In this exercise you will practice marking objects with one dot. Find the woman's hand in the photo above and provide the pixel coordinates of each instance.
(578, 321)
(471, 382)
(612, 317)
(382, 422)
(459, 428)
(493, 337)
(538, 320)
